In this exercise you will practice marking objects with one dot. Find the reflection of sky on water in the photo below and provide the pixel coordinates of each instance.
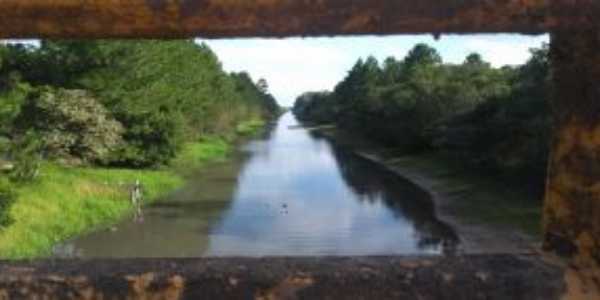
(292, 199)
(295, 195)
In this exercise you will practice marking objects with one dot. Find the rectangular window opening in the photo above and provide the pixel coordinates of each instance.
(344, 146)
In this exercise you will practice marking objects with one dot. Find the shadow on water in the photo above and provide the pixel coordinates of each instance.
(371, 182)
(288, 192)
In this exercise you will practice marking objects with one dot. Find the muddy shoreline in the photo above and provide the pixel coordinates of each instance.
(475, 238)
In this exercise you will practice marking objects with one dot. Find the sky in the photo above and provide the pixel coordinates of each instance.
(295, 65)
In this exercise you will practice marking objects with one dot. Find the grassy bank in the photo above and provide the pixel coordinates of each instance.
(196, 154)
(65, 202)
(476, 197)
(473, 196)
(249, 128)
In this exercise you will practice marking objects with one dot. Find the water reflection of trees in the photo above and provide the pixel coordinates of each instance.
(374, 184)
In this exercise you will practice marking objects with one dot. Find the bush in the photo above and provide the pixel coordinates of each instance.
(25, 153)
(73, 124)
(151, 139)
(7, 197)
(505, 136)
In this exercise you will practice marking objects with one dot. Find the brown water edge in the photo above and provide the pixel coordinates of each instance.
(475, 237)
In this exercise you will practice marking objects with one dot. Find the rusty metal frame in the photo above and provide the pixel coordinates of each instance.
(470, 277)
(503, 276)
(279, 18)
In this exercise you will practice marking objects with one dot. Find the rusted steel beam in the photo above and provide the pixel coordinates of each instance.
(572, 206)
(471, 277)
(278, 18)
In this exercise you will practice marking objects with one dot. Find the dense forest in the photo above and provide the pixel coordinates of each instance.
(122, 103)
(494, 120)
(125, 104)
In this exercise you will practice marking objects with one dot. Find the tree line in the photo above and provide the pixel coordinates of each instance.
(492, 119)
(122, 103)
(127, 104)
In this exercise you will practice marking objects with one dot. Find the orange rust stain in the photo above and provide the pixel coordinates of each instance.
(175, 287)
(286, 289)
(231, 18)
(3, 294)
(572, 200)
(138, 284)
(148, 286)
(582, 284)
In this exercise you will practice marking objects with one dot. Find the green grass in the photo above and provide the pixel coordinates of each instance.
(65, 202)
(479, 198)
(196, 154)
(249, 128)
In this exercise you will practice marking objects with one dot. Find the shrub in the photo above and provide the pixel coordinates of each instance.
(7, 197)
(151, 139)
(73, 124)
(26, 156)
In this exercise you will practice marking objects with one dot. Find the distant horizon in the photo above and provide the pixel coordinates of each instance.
(293, 66)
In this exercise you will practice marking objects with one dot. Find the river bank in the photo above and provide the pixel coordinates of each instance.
(69, 201)
(488, 216)
(283, 193)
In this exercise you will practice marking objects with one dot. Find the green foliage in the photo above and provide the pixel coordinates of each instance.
(164, 93)
(120, 103)
(397, 102)
(7, 197)
(495, 119)
(256, 94)
(197, 154)
(509, 134)
(10, 105)
(422, 55)
(151, 139)
(68, 201)
(26, 156)
(72, 124)
(315, 107)
(182, 76)
(250, 127)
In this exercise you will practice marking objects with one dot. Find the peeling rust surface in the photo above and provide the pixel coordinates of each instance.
(572, 205)
(469, 277)
(278, 18)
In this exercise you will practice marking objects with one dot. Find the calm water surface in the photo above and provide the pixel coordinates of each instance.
(288, 193)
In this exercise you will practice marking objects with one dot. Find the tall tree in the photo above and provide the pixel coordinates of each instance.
(422, 54)
(391, 71)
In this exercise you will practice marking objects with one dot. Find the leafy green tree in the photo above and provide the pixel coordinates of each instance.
(26, 154)
(474, 59)
(72, 124)
(152, 138)
(134, 80)
(494, 119)
(422, 54)
(392, 71)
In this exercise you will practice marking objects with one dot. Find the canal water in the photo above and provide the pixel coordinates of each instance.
(289, 192)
